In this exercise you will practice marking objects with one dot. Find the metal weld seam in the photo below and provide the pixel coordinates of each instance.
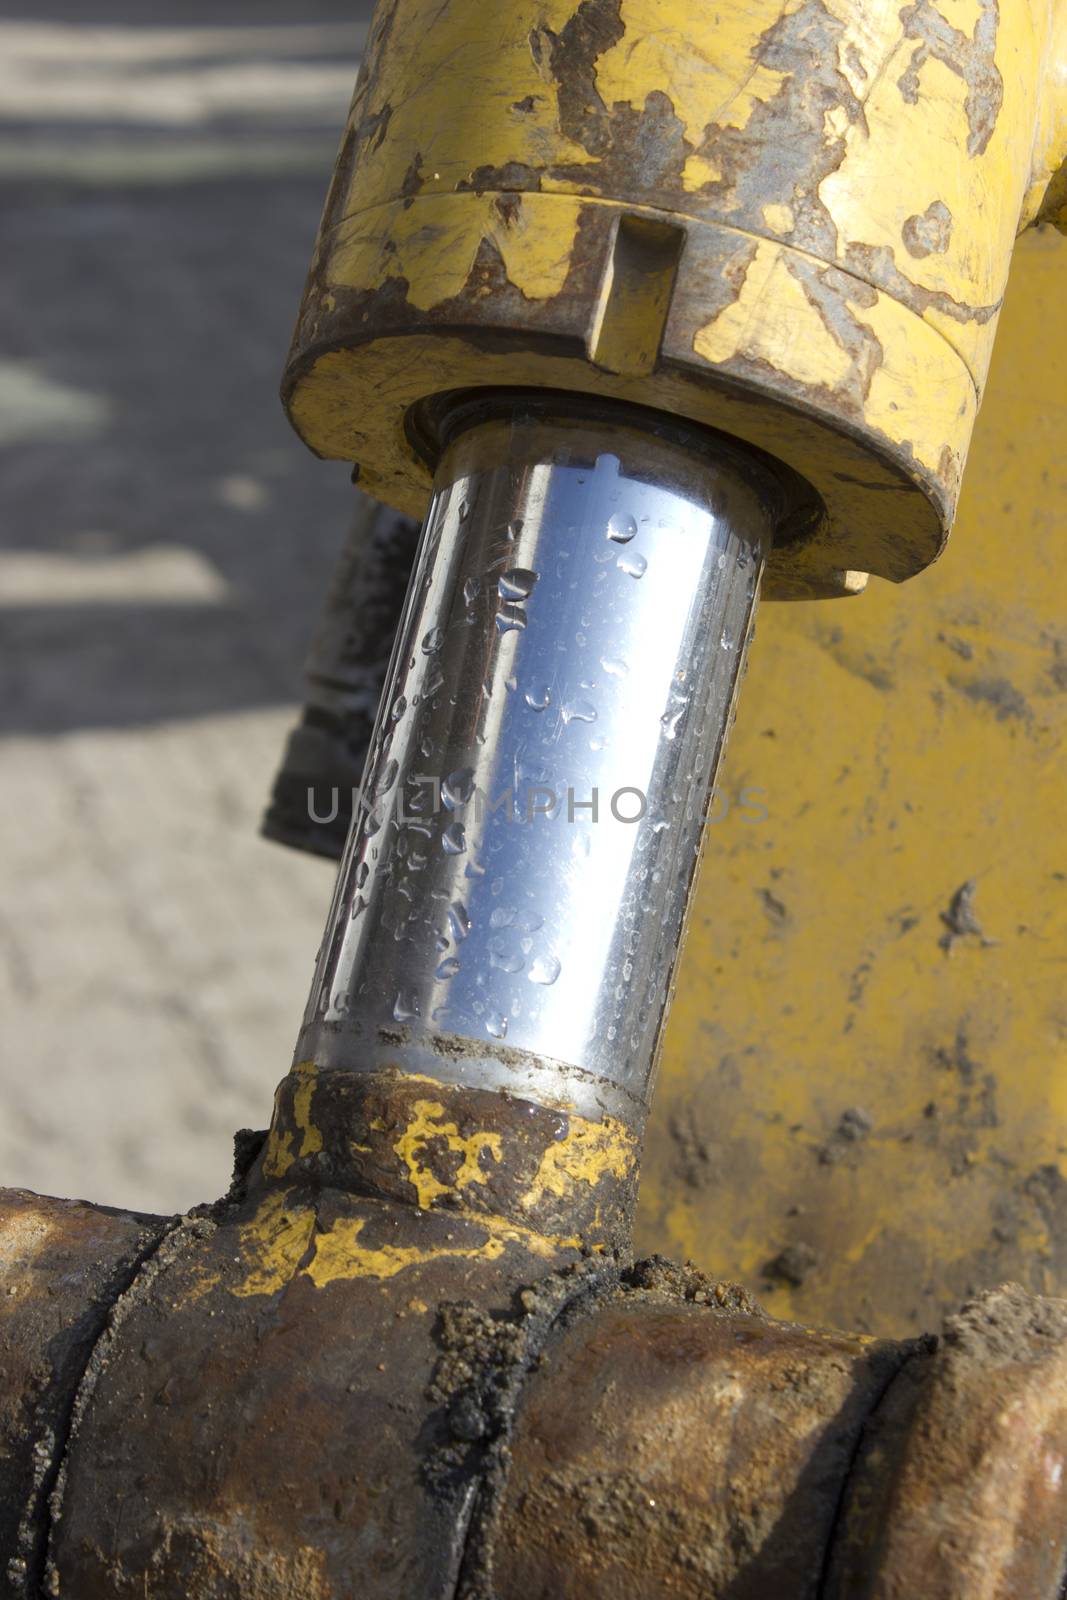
(920, 1350)
(53, 1483)
(477, 1514)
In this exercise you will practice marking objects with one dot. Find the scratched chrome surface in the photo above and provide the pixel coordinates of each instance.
(513, 894)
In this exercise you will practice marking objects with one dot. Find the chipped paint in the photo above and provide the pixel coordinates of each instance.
(848, 179)
(929, 234)
(795, 341)
(272, 1244)
(285, 1239)
(764, 119)
(399, 244)
(918, 786)
(588, 1152)
(280, 1153)
(829, 332)
(447, 1150)
(429, 1123)
(339, 1255)
(971, 57)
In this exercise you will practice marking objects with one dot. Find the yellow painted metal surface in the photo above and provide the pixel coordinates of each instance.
(587, 1152)
(860, 1103)
(280, 1152)
(398, 371)
(784, 123)
(578, 1158)
(429, 1138)
(862, 1064)
(429, 1120)
(1046, 198)
(286, 1239)
(844, 182)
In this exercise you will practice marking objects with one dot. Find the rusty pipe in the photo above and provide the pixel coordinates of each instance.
(231, 1406)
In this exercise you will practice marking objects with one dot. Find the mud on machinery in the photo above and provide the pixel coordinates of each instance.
(659, 308)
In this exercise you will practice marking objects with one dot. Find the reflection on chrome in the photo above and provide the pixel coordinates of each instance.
(513, 893)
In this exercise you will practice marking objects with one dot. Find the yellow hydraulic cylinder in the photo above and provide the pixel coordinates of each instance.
(793, 225)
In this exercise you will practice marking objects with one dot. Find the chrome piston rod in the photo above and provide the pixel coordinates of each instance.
(513, 894)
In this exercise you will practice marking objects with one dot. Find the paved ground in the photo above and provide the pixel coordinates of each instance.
(164, 540)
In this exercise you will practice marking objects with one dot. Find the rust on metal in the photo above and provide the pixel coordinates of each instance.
(300, 1389)
(960, 1491)
(844, 187)
(62, 1264)
(682, 1443)
(444, 1146)
(269, 1417)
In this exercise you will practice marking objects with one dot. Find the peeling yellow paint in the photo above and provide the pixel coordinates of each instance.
(280, 1154)
(340, 1256)
(434, 247)
(704, 63)
(698, 171)
(916, 785)
(284, 1239)
(588, 1152)
(312, 1141)
(428, 1123)
(452, 90)
(779, 218)
(452, 79)
(893, 145)
(272, 1245)
(545, 1245)
(772, 320)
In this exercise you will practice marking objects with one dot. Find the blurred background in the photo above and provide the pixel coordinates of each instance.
(164, 544)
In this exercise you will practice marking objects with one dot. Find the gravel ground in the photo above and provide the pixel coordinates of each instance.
(164, 543)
